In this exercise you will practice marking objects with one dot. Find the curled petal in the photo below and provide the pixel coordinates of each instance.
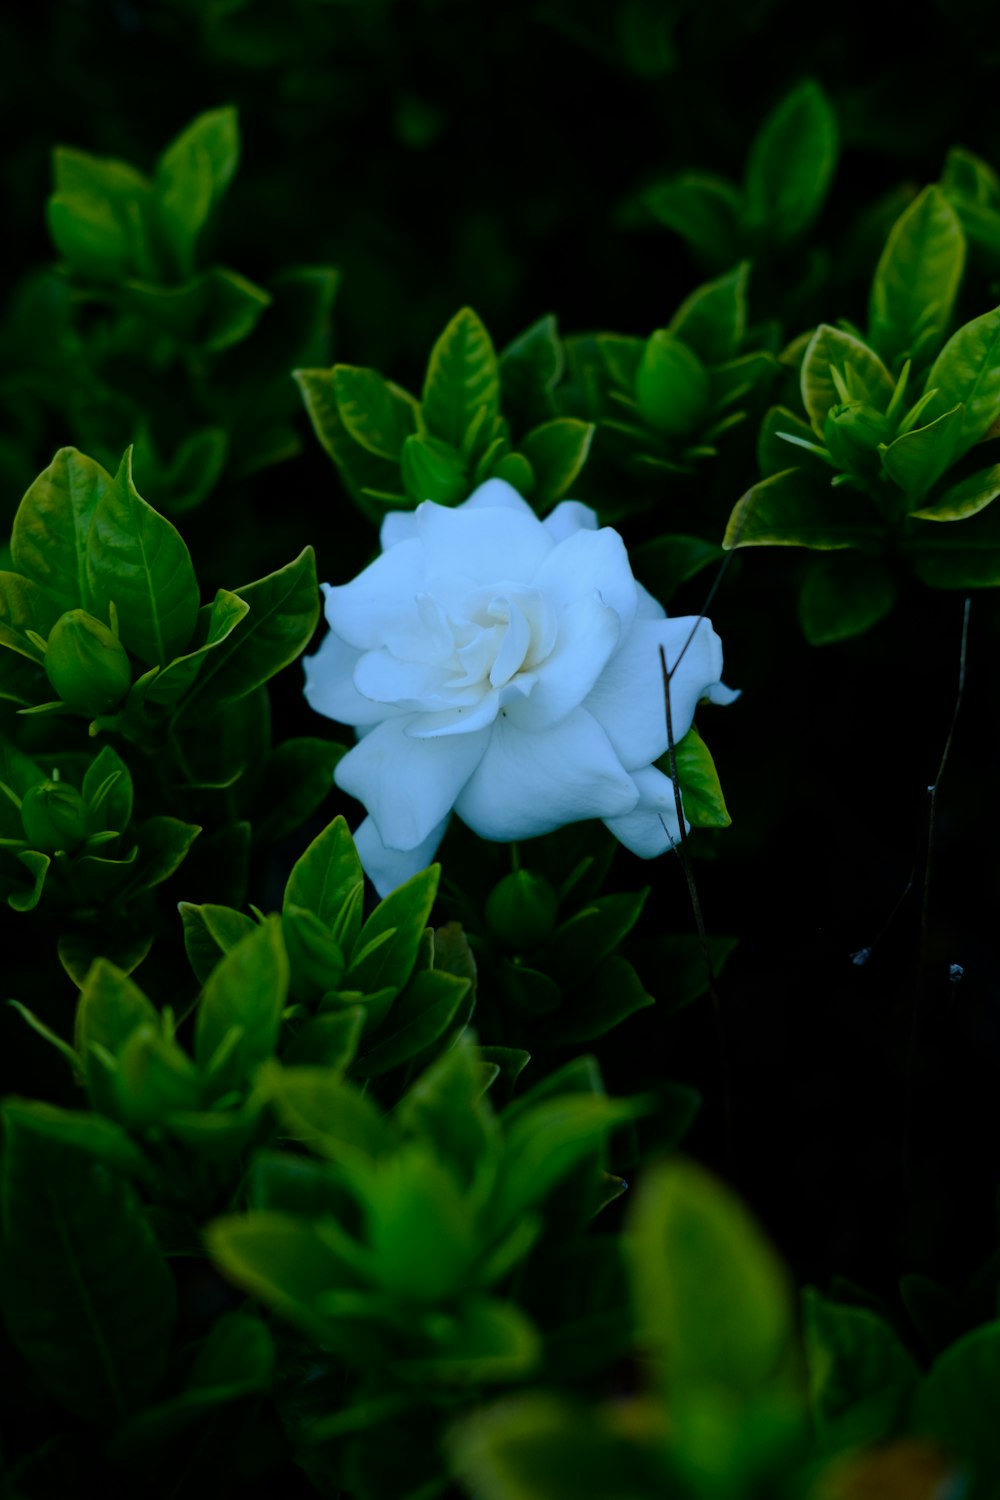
(588, 634)
(381, 677)
(330, 686)
(408, 785)
(388, 868)
(461, 720)
(377, 600)
(590, 562)
(493, 545)
(628, 697)
(570, 516)
(527, 784)
(651, 828)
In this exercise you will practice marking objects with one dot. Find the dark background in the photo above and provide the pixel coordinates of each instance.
(439, 154)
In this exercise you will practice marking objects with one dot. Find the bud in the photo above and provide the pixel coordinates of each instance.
(853, 432)
(521, 910)
(54, 816)
(86, 663)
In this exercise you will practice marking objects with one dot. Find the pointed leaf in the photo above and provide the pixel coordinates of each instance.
(918, 459)
(556, 451)
(713, 319)
(791, 163)
(462, 375)
(844, 595)
(216, 622)
(964, 498)
(49, 539)
(832, 347)
(248, 989)
(377, 414)
(790, 510)
(967, 371)
(403, 915)
(916, 280)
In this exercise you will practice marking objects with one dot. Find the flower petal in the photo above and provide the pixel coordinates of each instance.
(330, 686)
(388, 868)
(397, 526)
(527, 784)
(570, 516)
(494, 544)
(460, 720)
(494, 493)
(364, 609)
(588, 634)
(408, 785)
(651, 828)
(589, 562)
(383, 678)
(627, 699)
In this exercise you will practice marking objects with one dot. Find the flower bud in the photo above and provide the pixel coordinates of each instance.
(54, 816)
(852, 433)
(521, 910)
(86, 663)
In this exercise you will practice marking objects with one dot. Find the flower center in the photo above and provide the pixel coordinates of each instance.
(502, 632)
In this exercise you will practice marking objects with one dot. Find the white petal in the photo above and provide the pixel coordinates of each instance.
(527, 784)
(648, 607)
(460, 720)
(628, 700)
(651, 828)
(361, 611)
(588, 634)
(408, 785)
(330, 686)
(722, 695)
(380, 677)
(570, 516)
(389, 868)
(588, 562)
(397, 526)
(492, 544)
(494, 493)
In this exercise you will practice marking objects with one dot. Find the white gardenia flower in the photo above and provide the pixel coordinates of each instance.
(505, 669)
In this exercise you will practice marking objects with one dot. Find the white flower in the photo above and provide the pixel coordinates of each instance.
(507, 669)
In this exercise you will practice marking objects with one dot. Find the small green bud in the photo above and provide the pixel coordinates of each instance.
(54, 816)
(853, 432)
(521, 910)
(86, 663)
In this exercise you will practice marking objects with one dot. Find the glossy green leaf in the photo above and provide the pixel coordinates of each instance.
(328, 1114)
(163, 844)
(775, 453)
(402, 916)
(215, 622)
(463, 374)
(284, 610)
(833, 348)
(671, 385)
(530, 367)
(916, 280)
(154, 1078)
(918, 459)
(326, 876)
(965, 555)
(591, 933)
(713, 319)
(791, 510)
(613, 992)
(704, 804)
(705, 210)
(432, 469)
(87, 1295)
(952, 1406)
(967, 372)
(546, 1141)
(114, 808)
(861, 1377)
(210, 932)
(49, 537)
(556, 451)
(138, 560)
(296, 781)
(280, 1260)
(964, 498)
(423, 1012)
(365, 475)
(37, 866)
(377, 414)
(247, 989)
(329, 1041)
(714, 1300)
(488, 1340)
(844, 595)
(23, 607)
(665, 562)
(192, 175)
(791, 164)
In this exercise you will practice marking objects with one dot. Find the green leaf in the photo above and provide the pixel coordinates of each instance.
(861, 1377)
(622, 358)
(49, 539)
(210, 932)
(326, 876)
(364, 475)
(377, 414)
(775, 453)
(713, 319)
(614, 992)
(87, 1294)
(137, 560)
(403, 915)
(671, 385)
(422, 1014)
(546, 1141)
(715, 1302)
(65, 1051)
(916, 280)
(23, 607)
(790, 510)
(917, 460)
(488, 1340)
(592, 933)
(110, 1009)
(37, 865)
(163, 843)
(791, 163)
(530, 367)
(279, 1259)
(284, 610)
(973, 178)
(247, 989)
(99, 215)
(115, 807)
(154, 1078)
(965, 498)
(952, 1406)
(704, 804)
(665, 562)
(844, 595)
(296, 780)
(216, 622)
(967, 372)
(704, 209)
(329, 1041)
(463, 374)
(556, 451)
(832, 348)
(328, 1114)
(191, 176)
(433, 470)
(965, 555)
